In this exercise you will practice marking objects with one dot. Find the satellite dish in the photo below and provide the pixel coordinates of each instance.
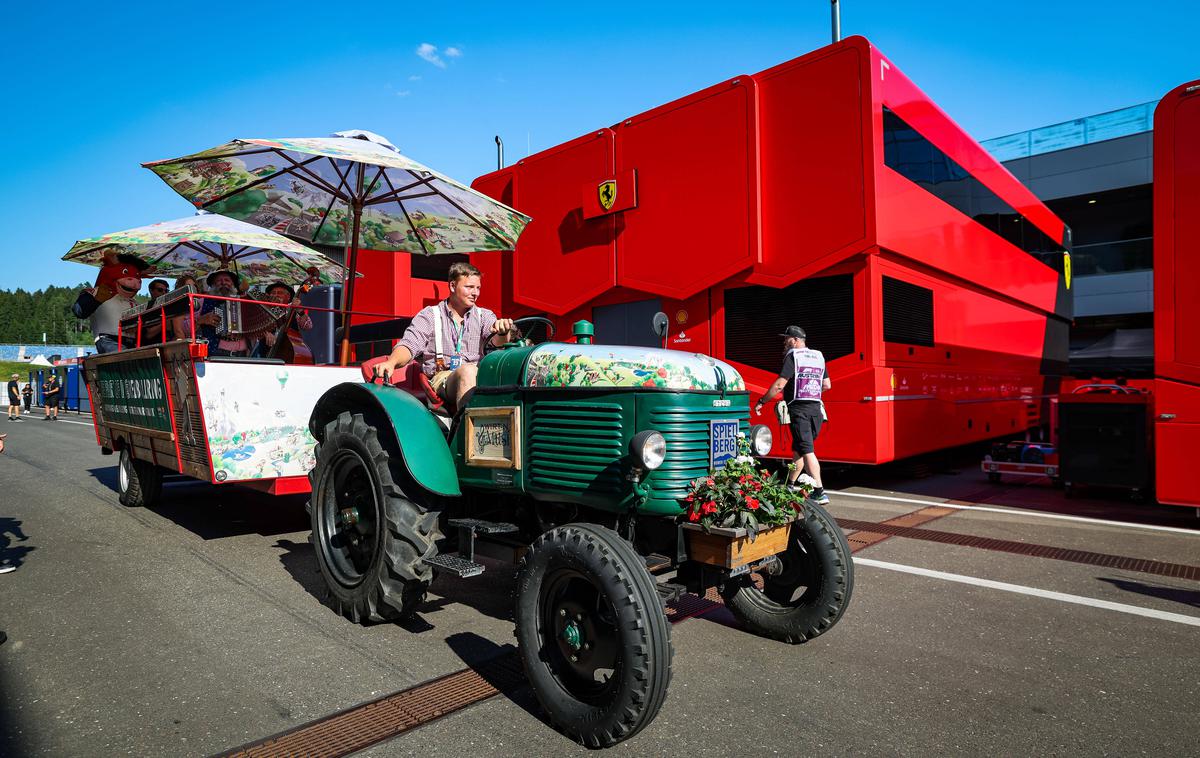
(661, 324)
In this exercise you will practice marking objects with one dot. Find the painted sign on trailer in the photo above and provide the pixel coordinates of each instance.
(135, 394)
(256, 416)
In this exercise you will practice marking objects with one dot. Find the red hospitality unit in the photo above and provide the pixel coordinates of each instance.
(828, 192)
(1177, 294)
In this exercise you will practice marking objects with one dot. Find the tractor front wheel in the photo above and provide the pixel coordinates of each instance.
(593, 637)
(809, 592)
(370, 537)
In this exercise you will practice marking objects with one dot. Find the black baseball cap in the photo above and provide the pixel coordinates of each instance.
(794, 332)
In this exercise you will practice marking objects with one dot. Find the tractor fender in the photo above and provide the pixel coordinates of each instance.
(417, 433)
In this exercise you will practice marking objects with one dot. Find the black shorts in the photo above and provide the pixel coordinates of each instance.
(805, 426)
(52, 401)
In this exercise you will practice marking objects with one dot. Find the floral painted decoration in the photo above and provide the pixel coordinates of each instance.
(205, 243)
(302, 186)
(566, 365)
(744, 495)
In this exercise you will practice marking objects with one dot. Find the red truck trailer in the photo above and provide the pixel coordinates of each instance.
(1177, 294)
(829, 192)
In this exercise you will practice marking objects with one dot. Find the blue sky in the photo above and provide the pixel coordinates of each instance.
(93, 90)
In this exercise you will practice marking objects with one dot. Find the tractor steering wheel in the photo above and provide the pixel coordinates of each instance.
(523, 341)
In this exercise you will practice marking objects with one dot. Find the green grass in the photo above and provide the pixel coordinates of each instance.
(8, 368)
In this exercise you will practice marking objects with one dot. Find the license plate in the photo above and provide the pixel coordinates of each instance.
(723, 445)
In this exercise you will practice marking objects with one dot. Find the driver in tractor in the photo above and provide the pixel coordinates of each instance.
(449, 338)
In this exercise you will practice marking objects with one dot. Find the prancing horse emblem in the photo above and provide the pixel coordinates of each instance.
(607, 192)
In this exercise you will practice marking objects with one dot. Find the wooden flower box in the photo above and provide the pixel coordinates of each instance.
(732, 548)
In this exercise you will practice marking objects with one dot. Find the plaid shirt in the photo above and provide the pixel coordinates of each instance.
(418, 338)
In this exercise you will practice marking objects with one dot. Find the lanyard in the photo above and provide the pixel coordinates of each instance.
(458, 334)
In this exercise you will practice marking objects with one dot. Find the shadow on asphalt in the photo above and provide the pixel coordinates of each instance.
(496, 664)
(11, 742)
(212, 512)
(301, 564)
(1174, 594)
(13, 555)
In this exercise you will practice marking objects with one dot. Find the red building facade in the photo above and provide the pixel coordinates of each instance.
(827, 191)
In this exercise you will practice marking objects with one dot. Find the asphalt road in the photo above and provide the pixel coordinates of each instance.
(197, 627)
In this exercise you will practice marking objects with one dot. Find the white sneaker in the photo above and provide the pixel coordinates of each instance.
(7, 569)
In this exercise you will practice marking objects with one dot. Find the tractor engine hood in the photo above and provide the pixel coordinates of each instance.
(557, 364)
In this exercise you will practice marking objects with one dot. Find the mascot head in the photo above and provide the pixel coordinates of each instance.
(121, 274)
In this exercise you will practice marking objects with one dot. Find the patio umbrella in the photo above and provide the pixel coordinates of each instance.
(354, 191)
(205, 243)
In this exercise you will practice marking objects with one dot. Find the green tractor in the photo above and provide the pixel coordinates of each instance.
(574, 460)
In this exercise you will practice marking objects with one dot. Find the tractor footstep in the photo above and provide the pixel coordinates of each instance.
(455, 565)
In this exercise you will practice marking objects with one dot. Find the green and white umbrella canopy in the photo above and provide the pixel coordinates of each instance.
(354, 190)
(205, 243)
(312, 189)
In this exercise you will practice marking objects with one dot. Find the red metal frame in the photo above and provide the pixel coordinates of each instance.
(780, 176)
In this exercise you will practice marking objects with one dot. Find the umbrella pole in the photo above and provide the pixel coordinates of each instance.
(351, 267)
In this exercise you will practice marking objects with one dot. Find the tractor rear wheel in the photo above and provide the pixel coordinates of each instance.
(593, 637)
(811, 590)
(371, 537)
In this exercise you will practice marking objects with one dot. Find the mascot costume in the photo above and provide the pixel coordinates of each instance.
(121, 275)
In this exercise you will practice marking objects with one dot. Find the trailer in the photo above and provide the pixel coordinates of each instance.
(171, 408)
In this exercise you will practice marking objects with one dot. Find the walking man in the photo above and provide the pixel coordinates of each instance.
(14, 399)
(50, 394)
(802, 380)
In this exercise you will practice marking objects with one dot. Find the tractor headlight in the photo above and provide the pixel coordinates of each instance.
(649, 449)
(760, 439)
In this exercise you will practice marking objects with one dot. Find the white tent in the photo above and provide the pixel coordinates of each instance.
(40, 361)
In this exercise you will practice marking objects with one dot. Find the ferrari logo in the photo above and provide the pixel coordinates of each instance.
(1067, 268)
(607, 192)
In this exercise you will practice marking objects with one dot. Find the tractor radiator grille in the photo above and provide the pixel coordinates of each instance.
(687, 432)
(576, 447)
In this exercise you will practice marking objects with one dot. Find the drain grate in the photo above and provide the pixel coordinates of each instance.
(869, 533)
(1140, 565)
(368, 724)
(371, 723)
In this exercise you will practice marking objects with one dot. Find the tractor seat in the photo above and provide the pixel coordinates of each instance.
(411, 379)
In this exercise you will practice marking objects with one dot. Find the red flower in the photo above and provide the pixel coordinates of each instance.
(757, 486)
(709, 507)
(752, 503)
(744, 478)
(691, 496)
(662, 372)
(693, 516)
(796, 506)
(709, 481)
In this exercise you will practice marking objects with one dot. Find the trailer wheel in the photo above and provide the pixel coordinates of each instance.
(139, 483)
(810, 592)
(593, 637)
(370, 537)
